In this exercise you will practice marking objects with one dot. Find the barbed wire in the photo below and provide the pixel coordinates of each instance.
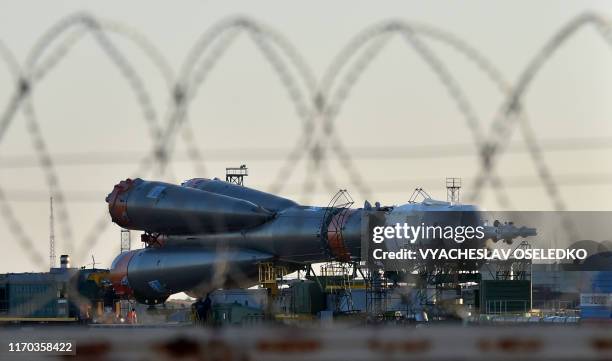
(512, 107)
(14, 225)
(317, 103)
(194, 71)
(90, 25)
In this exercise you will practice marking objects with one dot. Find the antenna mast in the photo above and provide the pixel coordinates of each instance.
(453, 187)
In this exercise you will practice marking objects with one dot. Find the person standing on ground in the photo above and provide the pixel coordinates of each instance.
(132, 317)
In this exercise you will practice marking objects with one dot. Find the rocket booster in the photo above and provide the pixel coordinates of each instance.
(158, 207)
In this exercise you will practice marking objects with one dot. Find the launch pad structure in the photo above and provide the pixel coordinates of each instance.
(189, 228)
(235, 175)
(423, 288)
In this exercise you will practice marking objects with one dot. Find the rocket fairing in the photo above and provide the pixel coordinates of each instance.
(207, 226)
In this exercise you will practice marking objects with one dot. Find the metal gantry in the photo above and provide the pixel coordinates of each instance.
(236, 175)
(339, 280)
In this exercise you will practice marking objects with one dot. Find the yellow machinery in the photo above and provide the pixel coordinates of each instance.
(270, 275)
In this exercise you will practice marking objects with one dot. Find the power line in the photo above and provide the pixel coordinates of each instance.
(68, 159)
(383, 186)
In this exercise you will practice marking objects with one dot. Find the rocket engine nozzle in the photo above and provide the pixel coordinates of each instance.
(507, 232)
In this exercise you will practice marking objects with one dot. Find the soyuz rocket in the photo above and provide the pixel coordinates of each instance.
(207, 233)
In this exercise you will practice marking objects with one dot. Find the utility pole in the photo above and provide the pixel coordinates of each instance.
(51, 235)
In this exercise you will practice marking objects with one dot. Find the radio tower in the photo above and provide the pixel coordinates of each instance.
(51, 235)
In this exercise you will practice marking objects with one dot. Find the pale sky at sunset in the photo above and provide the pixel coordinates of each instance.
(95, 131)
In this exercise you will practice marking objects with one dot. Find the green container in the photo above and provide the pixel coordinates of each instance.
(235, 314)
(33, 295)
(32, 300)
(306, 297)
(503, 296)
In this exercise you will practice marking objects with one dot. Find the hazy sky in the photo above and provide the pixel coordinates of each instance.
(95, 131)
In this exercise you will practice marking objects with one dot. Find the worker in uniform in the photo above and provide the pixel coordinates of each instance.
(132, 318)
